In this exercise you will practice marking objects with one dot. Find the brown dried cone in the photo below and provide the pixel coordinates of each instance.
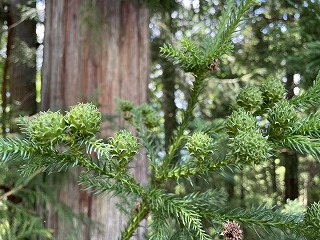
(232, 231)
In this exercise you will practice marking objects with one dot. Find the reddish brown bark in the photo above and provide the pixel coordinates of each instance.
(95, 51)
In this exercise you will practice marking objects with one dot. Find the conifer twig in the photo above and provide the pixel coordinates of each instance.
(199, 84)
(140, 213)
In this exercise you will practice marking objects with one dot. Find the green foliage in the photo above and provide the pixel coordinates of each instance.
(149, 116)
(188, 55)
(309, 125)
(272, 91)
(18, 197)
(55, 142)
(196, 58)
(200, 145)
(312, 54)
(18, 221)
(24, 224)
(45, 128)
(311, 98)
(250, 98)
(240, 120)
(266, 219)
(301, 144)
(182, 210)
(123, 147)
(84, 119)
(312, 220)
(282, 117)
(228, 22)
(15, 148)
(249, 147)
(24, 54)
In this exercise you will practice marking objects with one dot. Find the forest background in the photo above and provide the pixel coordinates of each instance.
(96, 51)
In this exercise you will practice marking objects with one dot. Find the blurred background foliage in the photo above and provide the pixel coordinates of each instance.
(279, 39)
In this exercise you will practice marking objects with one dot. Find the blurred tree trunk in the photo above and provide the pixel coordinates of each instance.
(291, 175)
(273, 176)
(311, 185)
(169, 106)
(168, 80)
(22, 62)
(6, 18)
(95, 50)
(290, 158)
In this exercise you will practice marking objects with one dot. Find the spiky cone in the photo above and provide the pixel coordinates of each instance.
(240, 120)
(232, 231)
(200, 145)
(273, 91)
(250, 98)
(123, 147)
(84, 119)
(249, 147)
(282, 118)
(46, 128)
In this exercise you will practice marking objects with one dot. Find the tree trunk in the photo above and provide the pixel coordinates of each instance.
(291, 175)
(290, 158)
(168, 80)
(5, 73)
(273, 176)
(95, 51)
(169, 106)
(22, 67)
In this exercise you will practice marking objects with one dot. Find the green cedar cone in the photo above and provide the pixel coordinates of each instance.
(46, 127)
(249, 146)
(200, 145)
(149, 116)
(250, 98)
(240, 120)
(84, 119)
(124, 146)
(272, 91)
(282, 117)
